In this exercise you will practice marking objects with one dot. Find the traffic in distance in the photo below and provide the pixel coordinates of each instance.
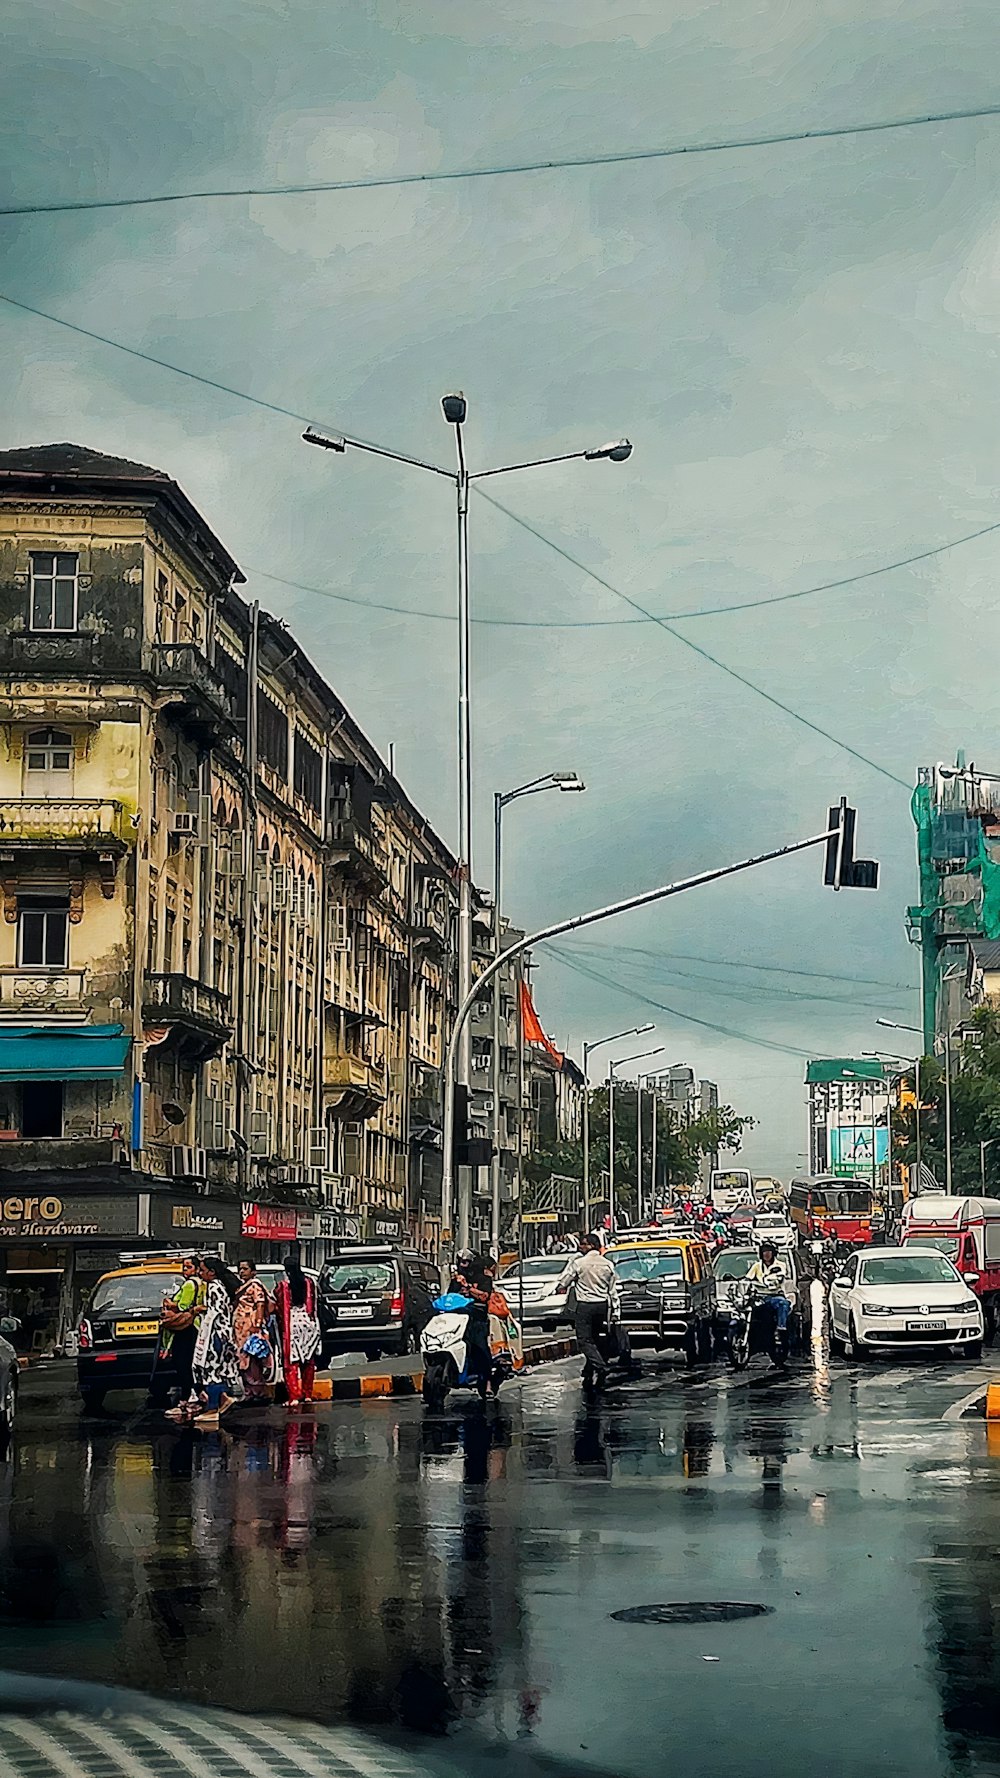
(753, 1270)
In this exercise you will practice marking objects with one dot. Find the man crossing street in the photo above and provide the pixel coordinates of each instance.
(591, 1278)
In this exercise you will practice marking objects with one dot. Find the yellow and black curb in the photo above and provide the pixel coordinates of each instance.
(372, 1384)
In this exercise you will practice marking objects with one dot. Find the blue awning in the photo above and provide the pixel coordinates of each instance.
(77, 1052)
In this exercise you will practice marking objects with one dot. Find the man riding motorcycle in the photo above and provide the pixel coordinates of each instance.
(771, 1283)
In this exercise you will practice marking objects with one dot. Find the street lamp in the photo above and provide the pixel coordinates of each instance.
(455, 410)
(891, 1025)
(588, 1050)
(914, 1063)
(619, 1062)
(640, 1079)
(564, 781)
(983, 1146)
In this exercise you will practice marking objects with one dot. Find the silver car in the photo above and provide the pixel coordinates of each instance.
(543, 1305)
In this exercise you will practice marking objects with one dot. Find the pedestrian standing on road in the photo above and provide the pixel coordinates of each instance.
(253, 1306)
(299, 1330)
(216, 1368)
(179, 1320)
(592, 1278)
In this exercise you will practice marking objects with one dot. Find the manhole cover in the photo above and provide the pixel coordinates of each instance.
(694, 1611)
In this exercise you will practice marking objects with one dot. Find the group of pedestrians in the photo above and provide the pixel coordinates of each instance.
(228, 1339)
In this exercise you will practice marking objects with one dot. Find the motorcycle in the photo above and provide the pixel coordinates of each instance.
(444, 1345)
(753, 1328)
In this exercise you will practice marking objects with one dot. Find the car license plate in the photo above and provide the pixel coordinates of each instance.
(925, 1326)
(355, 1312)
(124, 1328)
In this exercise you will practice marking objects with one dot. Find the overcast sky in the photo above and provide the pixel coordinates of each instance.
(801, 340)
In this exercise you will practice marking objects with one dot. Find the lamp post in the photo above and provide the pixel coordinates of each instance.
(983, 1146)
(565, 781)
(619, 1062)
(640, 1079)
(455, 410)
(914, 1063)
(588, 1050)
(949, 1032)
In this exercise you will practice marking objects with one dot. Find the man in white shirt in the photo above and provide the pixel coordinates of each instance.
(772, 1283)
(592, 1277)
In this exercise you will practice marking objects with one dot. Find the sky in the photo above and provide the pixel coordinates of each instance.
(800, 340)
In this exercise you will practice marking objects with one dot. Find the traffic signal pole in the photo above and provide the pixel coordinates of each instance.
(841, 872)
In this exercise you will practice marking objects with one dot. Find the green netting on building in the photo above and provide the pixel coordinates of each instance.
(990, 873)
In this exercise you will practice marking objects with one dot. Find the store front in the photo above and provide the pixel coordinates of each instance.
(53, 1248)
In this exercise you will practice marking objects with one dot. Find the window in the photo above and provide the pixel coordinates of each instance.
(43, 931)
(54, 591)
(48, 762)
(272, 734)
(308, 772)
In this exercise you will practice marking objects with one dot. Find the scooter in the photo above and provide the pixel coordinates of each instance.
(753, 1328)
(444, 1345)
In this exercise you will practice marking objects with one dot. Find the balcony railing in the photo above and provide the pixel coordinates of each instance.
(26, 989)
(359, 847)
(354, 1074)
(84, 823)
(183, 668)
(203, 1011)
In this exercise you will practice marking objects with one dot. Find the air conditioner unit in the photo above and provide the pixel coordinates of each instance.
(187, 1163)
(184, 825)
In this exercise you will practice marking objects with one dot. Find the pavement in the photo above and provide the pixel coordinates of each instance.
(455, 1577)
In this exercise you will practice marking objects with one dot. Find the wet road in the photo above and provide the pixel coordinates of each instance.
(460, 1574)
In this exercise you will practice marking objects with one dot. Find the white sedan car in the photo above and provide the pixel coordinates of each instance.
(544, 1306)
(885, 1298)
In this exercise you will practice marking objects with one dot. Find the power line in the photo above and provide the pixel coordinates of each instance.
(820, 975)
(446, 175)
(688, 1018)
(695, 647)
(610, 623)
(699, 981)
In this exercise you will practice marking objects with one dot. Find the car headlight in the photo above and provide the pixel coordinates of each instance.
(963, 1308)
(875, 1309)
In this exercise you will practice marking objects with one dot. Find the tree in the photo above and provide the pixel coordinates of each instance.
(678, 1152)
(975, 1110)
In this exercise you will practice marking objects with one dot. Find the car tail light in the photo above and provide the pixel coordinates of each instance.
(85, 1334)
(396, 1306)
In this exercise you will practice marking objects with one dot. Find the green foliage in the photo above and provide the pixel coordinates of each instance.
(975, 1110)
(677, 1151)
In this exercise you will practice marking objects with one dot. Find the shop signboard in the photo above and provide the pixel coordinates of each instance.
(382, 1225)
(57, 1216)
(270, 1222)
(194, 1220)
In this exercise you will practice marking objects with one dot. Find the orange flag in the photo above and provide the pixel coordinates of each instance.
(532, 1024)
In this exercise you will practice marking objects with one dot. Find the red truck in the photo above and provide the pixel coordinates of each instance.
(968, 1231)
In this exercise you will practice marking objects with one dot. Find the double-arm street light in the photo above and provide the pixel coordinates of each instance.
(455, 410)
(588, 1050)
(950, 1031)
(620, 1062)
(900, 1074)
(548, 781)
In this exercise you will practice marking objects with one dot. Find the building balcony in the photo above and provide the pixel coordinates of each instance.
(57, 1153)
(27, 990)
(358, 852)
(71, 823)
(198, 1016)
(430, 928)
(353, 1086)
(193, 685)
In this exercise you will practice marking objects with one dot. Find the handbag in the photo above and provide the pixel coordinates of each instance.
(177, 1320)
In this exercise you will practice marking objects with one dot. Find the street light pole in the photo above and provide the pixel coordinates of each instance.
(588, 1050)
(576, 923)
(455, 410)
(564, 781)
(620, 1062)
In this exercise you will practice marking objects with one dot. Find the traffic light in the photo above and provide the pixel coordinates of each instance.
(467, 1151)
(842, 869)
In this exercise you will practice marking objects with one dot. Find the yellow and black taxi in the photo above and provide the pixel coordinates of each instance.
(666, 1290)
(119, 1330)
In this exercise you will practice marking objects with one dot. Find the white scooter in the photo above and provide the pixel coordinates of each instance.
(444, 1345)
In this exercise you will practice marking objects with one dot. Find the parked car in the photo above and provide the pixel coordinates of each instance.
(374, 1298)
(119, 1333)
(731, 1265)
(667, 1292)
(543, 1305)
(891, 1297)
(269, 1275)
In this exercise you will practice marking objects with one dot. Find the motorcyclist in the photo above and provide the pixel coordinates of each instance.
(770, 1281)
(473, 1277)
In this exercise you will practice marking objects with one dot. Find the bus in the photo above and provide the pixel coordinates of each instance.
(730, 1188)
(834, 1209)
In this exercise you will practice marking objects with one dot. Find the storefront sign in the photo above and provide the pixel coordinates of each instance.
(540, 1216)
(57, 1218)
(270, 1222)
(383, 1226)
(309, 1229)
(196, 1220)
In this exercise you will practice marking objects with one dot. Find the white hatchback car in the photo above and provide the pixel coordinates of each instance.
(885, 1298)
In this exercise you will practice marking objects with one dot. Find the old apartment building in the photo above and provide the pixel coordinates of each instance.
(226, 945)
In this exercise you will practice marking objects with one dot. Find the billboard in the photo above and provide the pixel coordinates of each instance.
(851, 1149)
